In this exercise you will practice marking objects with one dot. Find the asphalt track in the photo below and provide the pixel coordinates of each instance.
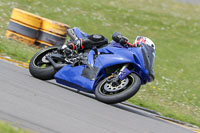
(46, 107)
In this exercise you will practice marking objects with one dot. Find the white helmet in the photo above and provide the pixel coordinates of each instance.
(144, 40)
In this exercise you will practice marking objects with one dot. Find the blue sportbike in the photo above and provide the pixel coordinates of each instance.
(112, 72)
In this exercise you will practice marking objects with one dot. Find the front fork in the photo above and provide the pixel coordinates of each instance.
(124, 71)
(117, 78)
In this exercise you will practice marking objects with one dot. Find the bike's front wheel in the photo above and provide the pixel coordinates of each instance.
(110, 93)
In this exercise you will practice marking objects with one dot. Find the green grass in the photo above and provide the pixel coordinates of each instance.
(172, 25)
(7, 128)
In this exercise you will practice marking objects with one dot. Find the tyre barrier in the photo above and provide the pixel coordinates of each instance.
(54, 27)
(23, 29)
(20, 38)
(34, 30)
(50, 38)
(26, 18)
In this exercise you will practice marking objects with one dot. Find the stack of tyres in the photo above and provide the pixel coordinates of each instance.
(52, 32)
(34, 30)
(23, 26)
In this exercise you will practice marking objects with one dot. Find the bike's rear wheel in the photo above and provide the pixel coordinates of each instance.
(128, 87)
(40, 67)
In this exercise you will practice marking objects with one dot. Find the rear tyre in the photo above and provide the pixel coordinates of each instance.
(40, 67)
(109, 94)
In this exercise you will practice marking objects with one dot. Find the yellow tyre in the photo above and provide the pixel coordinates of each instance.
(20, 38)
(23, 29)
(40, 43)
(26, 18)
(51, 38)
(54, 27)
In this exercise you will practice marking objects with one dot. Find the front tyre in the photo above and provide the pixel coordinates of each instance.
(40, 67)
(107, 93)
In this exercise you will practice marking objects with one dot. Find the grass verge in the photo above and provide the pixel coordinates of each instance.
(7, 128)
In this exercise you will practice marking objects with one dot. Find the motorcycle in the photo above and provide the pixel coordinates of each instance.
(113, 73)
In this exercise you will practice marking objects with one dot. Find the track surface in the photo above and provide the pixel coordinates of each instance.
(46, 107)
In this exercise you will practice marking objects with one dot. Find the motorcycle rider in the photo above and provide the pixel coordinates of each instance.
(83, 43)
(96, 40)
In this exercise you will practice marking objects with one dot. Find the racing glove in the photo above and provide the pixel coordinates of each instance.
(117, 37)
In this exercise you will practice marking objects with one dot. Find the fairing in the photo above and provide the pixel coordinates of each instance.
(108, 56)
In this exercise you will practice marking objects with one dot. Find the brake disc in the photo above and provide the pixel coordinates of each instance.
(110, 88)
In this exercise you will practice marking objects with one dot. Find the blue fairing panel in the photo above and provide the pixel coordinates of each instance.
(124, 55)
(116, 56)
(71, 76)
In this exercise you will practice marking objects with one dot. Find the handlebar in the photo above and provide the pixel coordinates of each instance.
(117, 37)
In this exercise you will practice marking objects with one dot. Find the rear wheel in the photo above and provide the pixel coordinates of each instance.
(40, 67)
(110, 93)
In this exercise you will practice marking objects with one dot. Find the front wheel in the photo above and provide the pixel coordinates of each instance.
(111, 94)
